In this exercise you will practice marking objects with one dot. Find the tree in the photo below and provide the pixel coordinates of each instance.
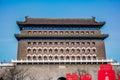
(31, 77)
(82, 71)
(14, 73)
(118, 70)
(3, 73)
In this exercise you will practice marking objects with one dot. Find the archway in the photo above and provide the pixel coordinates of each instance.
(61, 78)
(1, 78)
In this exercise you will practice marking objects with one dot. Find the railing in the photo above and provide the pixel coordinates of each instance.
(115, 63)
(6, 64)
(60, 61)
(13, 62)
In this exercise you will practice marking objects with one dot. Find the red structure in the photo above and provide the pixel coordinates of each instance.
(85, 77)
(106, 72)
(118, 76)
(106, 67)
(72, 76)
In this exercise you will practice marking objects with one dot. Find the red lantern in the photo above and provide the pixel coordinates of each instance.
(68, 76)
(74, 76)
(71, 76)
(85, 77)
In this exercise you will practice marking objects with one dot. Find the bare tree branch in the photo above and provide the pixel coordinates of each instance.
(14, 73)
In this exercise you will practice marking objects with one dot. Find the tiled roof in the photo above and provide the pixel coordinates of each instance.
(60, 21)
(87, 36)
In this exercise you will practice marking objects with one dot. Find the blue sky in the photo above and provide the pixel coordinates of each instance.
(15, 10)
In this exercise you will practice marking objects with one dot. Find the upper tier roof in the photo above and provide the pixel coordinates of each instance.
(60, 21)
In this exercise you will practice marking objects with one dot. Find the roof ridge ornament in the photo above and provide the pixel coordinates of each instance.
(93, 18)
(26, 17)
